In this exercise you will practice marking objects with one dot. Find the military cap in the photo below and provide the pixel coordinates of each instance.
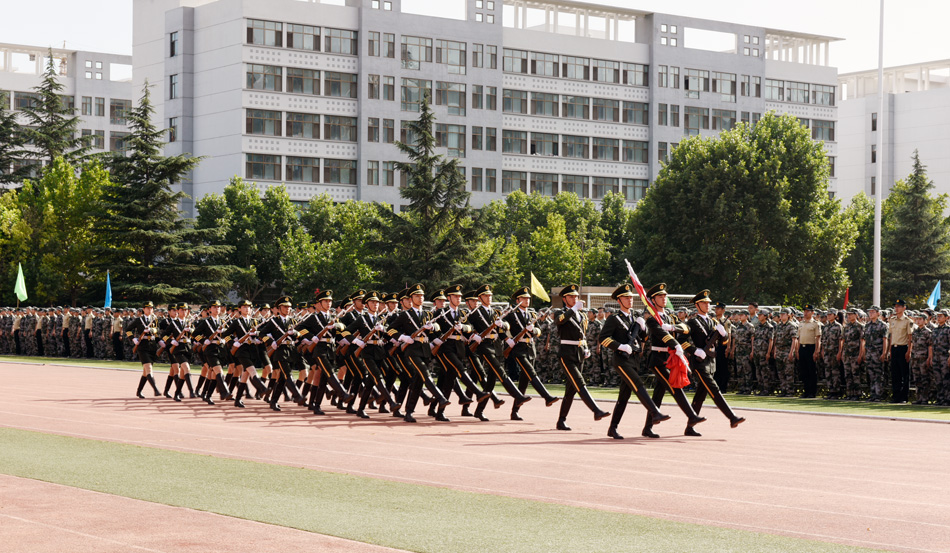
(874, 308)
(623, 291)
(358, 295)
(854, 311)
(702, 296)
(522, 292)
(765, 311)
(944, 312)
(786, 311)
(243, 303)
(371, 296)
(929, 311)
(324, 295)
(148, 304)
(656, 290)
(720, 305)
(900, 303)
(569, 290)
(832, 311)
(682, 309)
(454, 290)
(404, 293)
(483, 289)
(437, 295)
(393, 297)
(808, 307)
(415, 289)
(215, 303)
(284, 300)
(471, 295)
(183, 305)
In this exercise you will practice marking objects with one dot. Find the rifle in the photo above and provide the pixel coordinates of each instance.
(234, 349)
(524, 330)
(319, 336)
(416, 334)
(474, 345)
(279, 341)
(382, 321)
(141, 337)
(224, 325)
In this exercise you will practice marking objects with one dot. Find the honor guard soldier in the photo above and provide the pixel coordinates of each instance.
(450, 353)
(243, 336)
(661, 341)
(369, 337)
(705, 333)
(208, 333)
(521, 336)
(572, 329)
(142, 330)
(619, 336)
(279, 336)
(317, 335)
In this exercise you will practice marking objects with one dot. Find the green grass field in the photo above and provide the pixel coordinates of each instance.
(404, 516)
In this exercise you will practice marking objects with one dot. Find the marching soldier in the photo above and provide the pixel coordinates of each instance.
(142, 331)
(278, 335)
(522, 333)
(571, 325)
(317, 335)
(208, 332)
(369, 336)
(450, 352)
(243, 335)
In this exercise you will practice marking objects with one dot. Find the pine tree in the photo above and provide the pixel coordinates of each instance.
(50, 125)
(12, 144)
(152, 252)
(915, 250)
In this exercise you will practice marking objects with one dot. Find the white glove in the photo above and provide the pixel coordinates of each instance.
(344, 341)
(189, 329)
(679, 349)
(625, 348)
(379, 328)
(236, 344)
(586, 353)
(307, 341)
(359, 343)
(721, 329)
(207, 342)
(405, 338)
(668, 328)
(529, 328)
(477, 338)
(161, 343)
(174, 342)
(135, 341)
(427, 326)
(458, 327)
(437, 342)
(578, 305)
(253, 333)
(436, 327)
(510, 342)
(339, 326)
(642, 323)
(700, 353)
(273, 347)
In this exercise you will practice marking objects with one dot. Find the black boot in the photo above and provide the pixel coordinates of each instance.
(168, 385)
(259, 387)
(179, 382)
(612, 432)
(199, 388)
(138, 392)
(191, 390)
(591, 404)
(242, 387)
(549, 400)
(690, 431)
(693, 419)
(223, 389)
(562, 425)
(151, 380)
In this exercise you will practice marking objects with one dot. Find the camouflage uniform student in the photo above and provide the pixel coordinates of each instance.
(742, 335)
(853, 338)
(831, 337)
(874, 353)
(921, 358)
(940, 339)
(786, 344)
(762, 351)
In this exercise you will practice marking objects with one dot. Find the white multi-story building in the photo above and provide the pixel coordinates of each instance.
(916, 117)
(97, 85)
(539, 96)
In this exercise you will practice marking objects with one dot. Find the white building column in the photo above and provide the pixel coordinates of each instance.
(616, 27)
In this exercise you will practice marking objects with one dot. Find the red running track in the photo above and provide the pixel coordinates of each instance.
(856, 481)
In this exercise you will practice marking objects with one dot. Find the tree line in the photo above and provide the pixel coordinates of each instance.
(746, 214)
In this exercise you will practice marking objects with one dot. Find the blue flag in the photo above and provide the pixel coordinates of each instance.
(934, 297)
(108, 291)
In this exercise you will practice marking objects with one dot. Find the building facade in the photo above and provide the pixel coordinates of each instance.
(543, 97)
(916, 117)
(97, 85)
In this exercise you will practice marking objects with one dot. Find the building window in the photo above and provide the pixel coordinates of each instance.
(575, 68)
(389, 45)
(302, 125)
(575, 146)
(339, 171)
(262, 167)
(575, 184)
(746, 87)
(389, 88)
(172, 87)
(774, 90)
(173, 44)
(341, 85)
(491, 98)
(119, 111)
(451, 137)
(663, 76)
(515, 61)
(696, 119)
(873, 153)
(373, 87)
(372, 129)
(338, 128)
(575, 107)
(823, 130)
(514, 142)
(491, 139)
(873, 122)
(823, 95)
(662, 115)
(478, 96)
(544, 184)
(601, 186)
(744, 117)
(478, 55)
(831, 166)
(373, 49)
(607, 71)
(99, 140)
(491, 184)
(451, 95)
(636, 74)
(173, 129)
(302, 169)
(662, 151)
(264, 77)
(264, 122)
(674, 115)
(86, 104)
(757, 87)
(755, 118)
(100, 107)
(674, 77)
(415, 50)
(477, 184)
(372, 173)
(340, 41)
(544, 104)
(452, 54)
(634, 189)
(406, 134)
(607, 149)
(389, 173)
(797, 92)
(723, 120)
(478, 137)
(725, 85)
(636, 151)
(544, 144)
(873, 186)
(303, 37)
(696, 81)
(606, 110)
(492, 60)
(264, 33)
(514, 180)
(303, 81)
(545, 65)
(413, 91)
(515, 101)
(389, 131)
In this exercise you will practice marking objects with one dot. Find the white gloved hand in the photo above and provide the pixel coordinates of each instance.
(339, 326)
(642, 323)
(458, 327)
(253, 333)
(529, 328)
(586, 353)
(721, 329)
(477, 338)
(379, 328)
(668, 328)
(161, 343)
(406, 339)
(273, 347)
(135, 341)
(344, 341)
(358, 343)
(510, 342)
(174, 342)
(236, 344)
(207, 342)
(437, 342)
(679, 349)
(700, 353)
(436, 327)
(625, 348)
(427, 326)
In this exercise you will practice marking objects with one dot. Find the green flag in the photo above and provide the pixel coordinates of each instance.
(20, 288)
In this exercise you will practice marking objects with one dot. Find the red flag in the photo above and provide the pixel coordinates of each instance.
(679, 371)
(846, 292)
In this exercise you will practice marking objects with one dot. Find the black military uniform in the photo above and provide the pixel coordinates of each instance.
(705, 333)
(659, 327)
(242, 334)
(143, 330)
(368, 336)
(572, 331)
(521, 336)
(451, 352)
(620, 334)
(208, 332)
(319, 328)
(353, 378)
(278, 335)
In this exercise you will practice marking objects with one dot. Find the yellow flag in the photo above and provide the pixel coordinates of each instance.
(537, 290)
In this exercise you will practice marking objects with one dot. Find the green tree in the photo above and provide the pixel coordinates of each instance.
(615, 222)
(915, 250)
(237, 214)
(747, 215)
(51, 126)
(12, 145)
(152, 251)
(859, 263)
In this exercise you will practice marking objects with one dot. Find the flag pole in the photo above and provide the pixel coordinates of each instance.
(879, 183)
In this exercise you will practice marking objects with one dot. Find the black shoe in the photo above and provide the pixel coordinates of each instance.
(177, 398)
(466, 412)
(612, 432)
(521, 402)
(275, 406)
(209, 401)
(736, 421)
(166, 395)
(139, 395)
(350, 411)
(551, 401)
(239, 403)
(362, 414)
(441, 417)
(432, 410)
(690, 431)
(499, 403)
(195, 396)
(318, 411)
(481, 417)
(660, 417)
(647, 433)
(409, 418)
(465, 401)
(561, 425)
(695, 421)
(398, 414)
(383, 409)
(601, 414)
(443, 404)
(516, 417)
(482, 397)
